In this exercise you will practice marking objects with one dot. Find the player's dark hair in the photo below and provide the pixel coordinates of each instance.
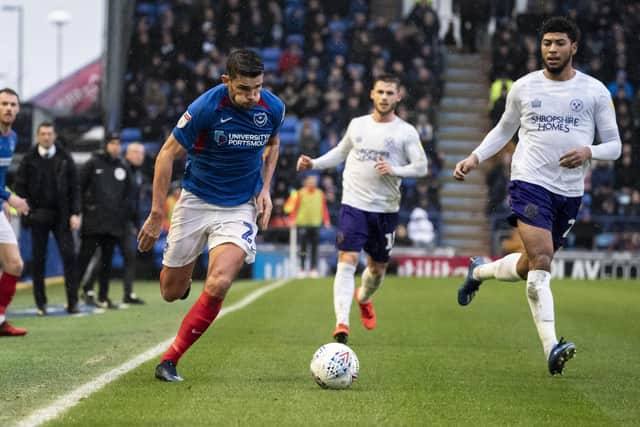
(387, 78)
(10, 92)
(244, 62)
(560, 24)
(44, 125)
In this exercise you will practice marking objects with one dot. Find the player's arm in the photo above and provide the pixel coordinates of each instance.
(268, 168)
(150, 231)
(330, 159)
(610, 145)
(495, 140)
(417, 165)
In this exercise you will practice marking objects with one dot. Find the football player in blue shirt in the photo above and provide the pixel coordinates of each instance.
(10, 259)
(230, 137)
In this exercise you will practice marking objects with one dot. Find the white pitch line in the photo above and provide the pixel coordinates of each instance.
(72, 398)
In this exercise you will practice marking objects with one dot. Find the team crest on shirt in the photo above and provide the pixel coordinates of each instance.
(184, 119)
(536, 103)
(576, 105)
(531, 211)
(260, 118)
(358, 139)
(219, 137)
(389, 143)
(120, 174)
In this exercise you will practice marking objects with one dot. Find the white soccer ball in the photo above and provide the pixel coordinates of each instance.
(334, 366)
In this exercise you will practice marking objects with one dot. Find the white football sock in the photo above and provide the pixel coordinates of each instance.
(369, 285)
(503, 269)
(2, 318)
(343, 286)
(541, 304)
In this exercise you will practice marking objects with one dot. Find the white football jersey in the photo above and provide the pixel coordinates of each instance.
(554, 118)
(364, 142)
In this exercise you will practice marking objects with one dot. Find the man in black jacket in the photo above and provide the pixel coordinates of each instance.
(47, 178)
(107, 190)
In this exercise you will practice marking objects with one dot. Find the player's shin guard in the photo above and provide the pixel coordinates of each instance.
(194, 324)
(541, 304)
(503, 269)
(343, 287)
(369, 285)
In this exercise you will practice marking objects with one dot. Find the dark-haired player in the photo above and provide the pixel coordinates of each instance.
(225, 191)
(558, 110)
(10, 258)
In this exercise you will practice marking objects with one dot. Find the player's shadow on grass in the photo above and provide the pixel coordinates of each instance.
(58, 310)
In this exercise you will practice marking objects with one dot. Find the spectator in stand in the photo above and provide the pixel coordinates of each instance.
(48, 180)
(309, 212)
(420, 229)
(621, 82)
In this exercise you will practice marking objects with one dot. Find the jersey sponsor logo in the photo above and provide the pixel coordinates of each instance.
(373, 155)
(260, 118)
(536, 103)
(184, 119)
(550, 122)
(576, 105)
(240, 139)
(225, 119)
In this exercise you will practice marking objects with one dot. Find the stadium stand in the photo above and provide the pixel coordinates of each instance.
(319, 57)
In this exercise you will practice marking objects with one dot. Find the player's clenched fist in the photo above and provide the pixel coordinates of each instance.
(304, 163)
(463, 167)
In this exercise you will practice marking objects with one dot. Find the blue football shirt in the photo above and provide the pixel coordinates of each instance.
(7, 147)
(224, 145)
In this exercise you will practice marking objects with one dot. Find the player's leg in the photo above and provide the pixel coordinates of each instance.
(225, 261)
(343, 287)
(350, 240)
(232, 242)
(12, 265)
(539, 246)
(378, 248)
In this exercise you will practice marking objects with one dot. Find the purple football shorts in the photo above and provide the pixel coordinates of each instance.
(537, 206)
(372, 231)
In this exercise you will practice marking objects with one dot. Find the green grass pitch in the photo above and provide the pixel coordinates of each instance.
(429, 361)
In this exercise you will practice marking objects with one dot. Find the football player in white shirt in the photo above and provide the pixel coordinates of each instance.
(558, 110)
(380, 149)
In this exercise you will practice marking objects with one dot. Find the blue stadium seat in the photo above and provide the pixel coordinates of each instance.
(271, 58)
(130, 134)
(290, 131)
(295, 38)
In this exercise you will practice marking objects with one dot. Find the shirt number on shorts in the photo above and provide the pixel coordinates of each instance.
(390, 239)
(571, 222)
(247, 234)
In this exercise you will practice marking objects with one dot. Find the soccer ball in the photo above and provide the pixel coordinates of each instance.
(334, 366)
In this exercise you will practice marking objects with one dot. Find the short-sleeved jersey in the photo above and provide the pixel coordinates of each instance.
(224, 145)
(7, 147)
(556, 117)
(363, 187)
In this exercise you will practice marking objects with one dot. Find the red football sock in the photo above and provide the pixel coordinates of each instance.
(197, 320)
(7, 290)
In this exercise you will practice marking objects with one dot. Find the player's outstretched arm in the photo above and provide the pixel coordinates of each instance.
(150, 230)
(463, 167)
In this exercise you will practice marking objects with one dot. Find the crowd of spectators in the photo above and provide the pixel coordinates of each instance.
(609, 50)
(320, 58)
